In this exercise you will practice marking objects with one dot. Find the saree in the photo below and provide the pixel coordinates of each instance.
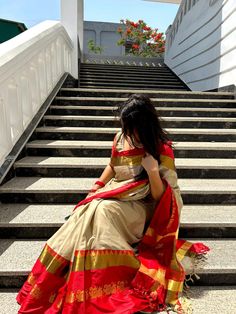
(119, 251)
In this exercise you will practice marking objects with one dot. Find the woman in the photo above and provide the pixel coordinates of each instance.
(93, 264)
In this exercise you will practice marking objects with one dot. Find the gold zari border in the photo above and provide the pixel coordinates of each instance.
(95, 292)
(103, 259)
(51, 260)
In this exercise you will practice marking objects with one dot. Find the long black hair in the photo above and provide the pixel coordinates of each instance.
(138, 114)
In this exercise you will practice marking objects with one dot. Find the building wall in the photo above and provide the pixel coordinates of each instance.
(201, 44)
(104, 35)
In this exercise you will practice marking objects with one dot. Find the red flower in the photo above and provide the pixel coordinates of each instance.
(135, 46)
(158, 37)
(146, 28)
(134, 24)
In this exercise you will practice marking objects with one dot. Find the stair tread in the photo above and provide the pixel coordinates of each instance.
(82, 185)
(114, 130)
(115, 99)
(136, 84)
(49, 215)
(156, 86)
(79, 89)
(172, 109)
(204, 300)
(108, 144)
(127, 78)
(111, 118)
(28, 251)
(87, 162)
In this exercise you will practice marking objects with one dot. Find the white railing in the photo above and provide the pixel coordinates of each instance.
(31, 64)
(201, 47)
(124, 60)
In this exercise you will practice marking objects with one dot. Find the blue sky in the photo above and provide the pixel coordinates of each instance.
(32, 12)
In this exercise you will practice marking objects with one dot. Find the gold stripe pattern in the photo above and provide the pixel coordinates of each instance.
(31, 279)
(104, 259)
(172, 298)
(95, 292)
(167, 162)
(181, 253)
(159, 276)
(51, 260)
(36, 292)
(126, 160)
(156, 274)
(174, 285)
(151, 233)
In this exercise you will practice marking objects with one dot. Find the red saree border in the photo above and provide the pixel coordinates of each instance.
(113, 193)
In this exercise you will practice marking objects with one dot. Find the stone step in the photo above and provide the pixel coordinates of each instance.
(126, 74)
(170, 112)
(221, 268)
(70, 117)
(122, 85)
(132, 75)
(103, 149)
(88, 166)
(152, 93)
(72, 190)
(130, 80)
(66, 128)
(41, 221)
(160, 102)
(205, 300)
(116, 71)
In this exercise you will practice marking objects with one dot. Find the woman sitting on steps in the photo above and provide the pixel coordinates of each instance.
(119, 251)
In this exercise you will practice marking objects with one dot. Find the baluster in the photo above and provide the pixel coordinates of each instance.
(26, 98)
(15, 113)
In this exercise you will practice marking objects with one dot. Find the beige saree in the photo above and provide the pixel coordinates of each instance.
(93, 264)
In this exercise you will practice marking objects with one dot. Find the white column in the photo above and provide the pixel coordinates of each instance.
(72, 17)
(81, 24)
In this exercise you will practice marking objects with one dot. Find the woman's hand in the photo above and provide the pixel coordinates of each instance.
(93, 190)
(149, 163)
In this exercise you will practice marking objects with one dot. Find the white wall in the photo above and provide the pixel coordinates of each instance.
(201, 48)
(104, 35)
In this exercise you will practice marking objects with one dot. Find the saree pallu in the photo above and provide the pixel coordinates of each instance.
(90, 265)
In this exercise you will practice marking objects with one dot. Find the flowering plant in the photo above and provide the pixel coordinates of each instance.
(141, 39)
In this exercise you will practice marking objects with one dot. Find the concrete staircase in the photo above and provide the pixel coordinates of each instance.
(71, 146)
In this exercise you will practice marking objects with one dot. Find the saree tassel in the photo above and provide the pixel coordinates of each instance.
(184, 306)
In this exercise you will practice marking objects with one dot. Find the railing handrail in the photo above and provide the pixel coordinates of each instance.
(31, 64)
(23, 43)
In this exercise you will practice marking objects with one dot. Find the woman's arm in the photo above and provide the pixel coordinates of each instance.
(105, 177)
(151, 166)
(107, 174)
